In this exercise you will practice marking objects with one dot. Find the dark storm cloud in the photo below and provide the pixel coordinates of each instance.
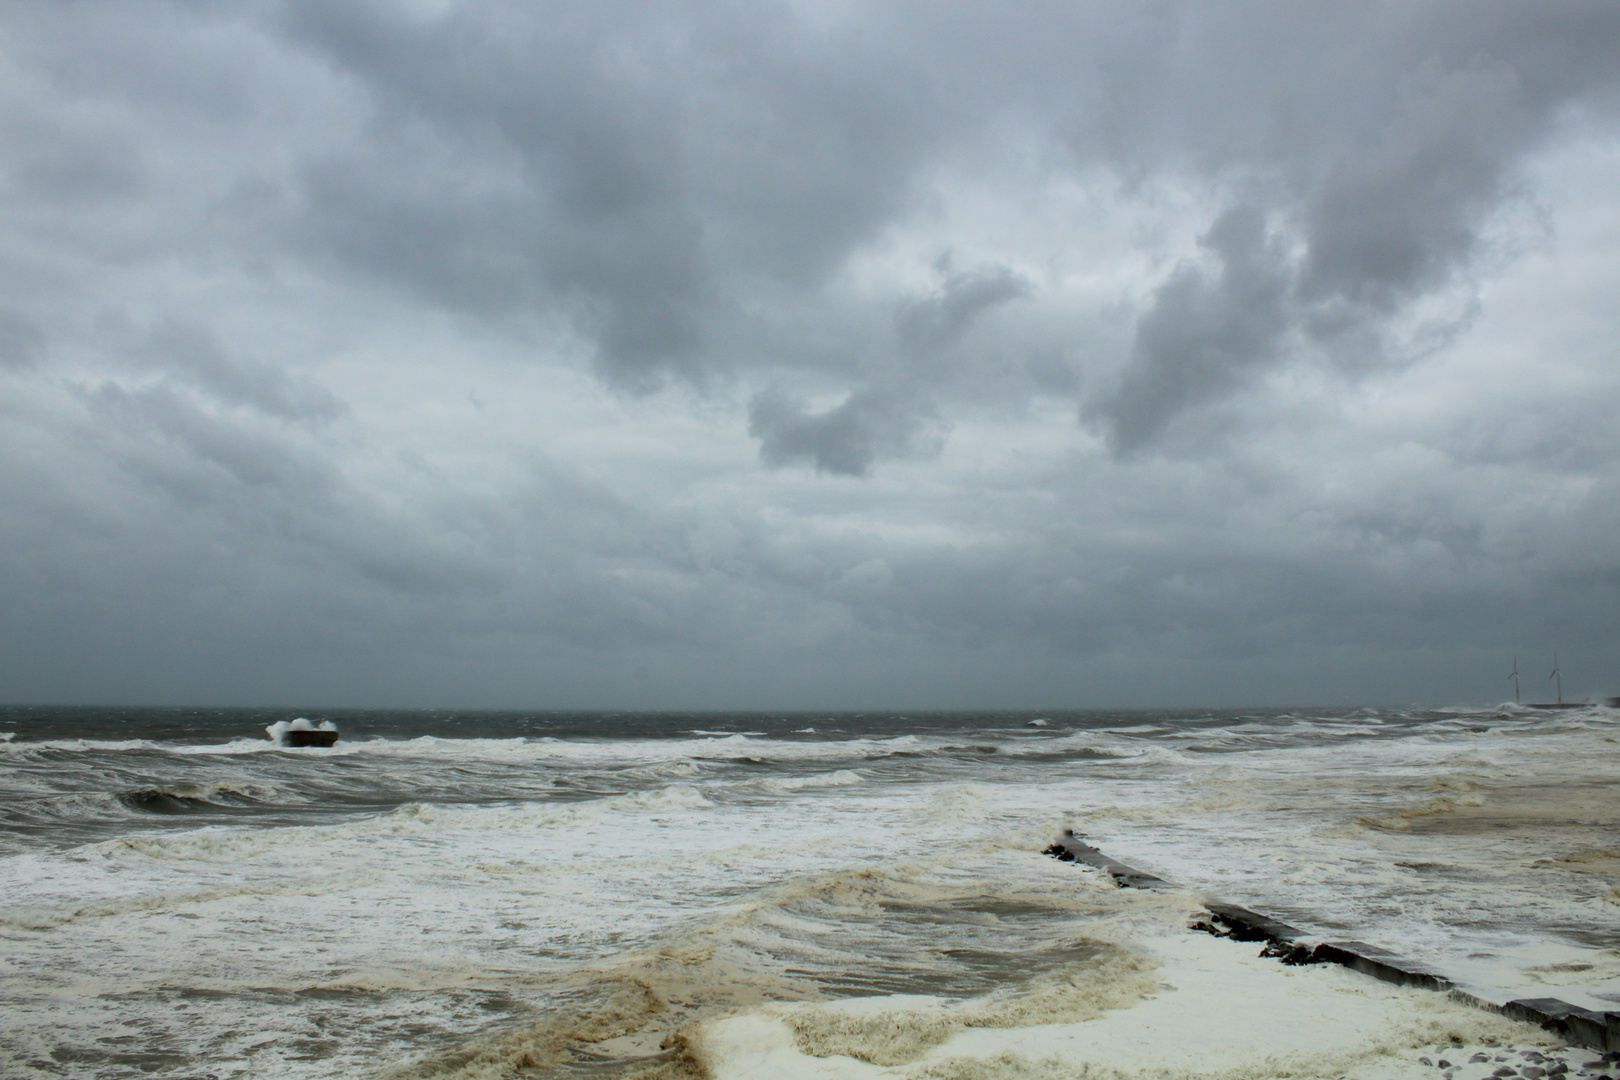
(895, 416)
(1206, 332)
(640, 159)
(962, 297)
(638, 170)
(1403, 210)
(1419, 124)
(846, 439)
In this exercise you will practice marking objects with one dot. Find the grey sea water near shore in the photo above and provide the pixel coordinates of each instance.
(499, 894)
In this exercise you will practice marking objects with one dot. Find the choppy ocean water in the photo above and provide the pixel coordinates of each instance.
(500, 894)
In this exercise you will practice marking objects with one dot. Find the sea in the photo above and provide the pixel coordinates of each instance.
(539, 894)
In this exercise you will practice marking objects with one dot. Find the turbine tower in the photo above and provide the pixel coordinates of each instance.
(1556, 674)
(1514, 675)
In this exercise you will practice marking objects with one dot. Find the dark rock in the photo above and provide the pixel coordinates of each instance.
(1249, 925)
(1290, 953)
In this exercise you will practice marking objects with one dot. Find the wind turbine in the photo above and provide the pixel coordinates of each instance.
(1556, 674)
(1514, 675)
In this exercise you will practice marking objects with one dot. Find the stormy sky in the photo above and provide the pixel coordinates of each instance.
(818, 355)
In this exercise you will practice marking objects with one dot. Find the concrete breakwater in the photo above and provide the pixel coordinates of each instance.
(1291, 945)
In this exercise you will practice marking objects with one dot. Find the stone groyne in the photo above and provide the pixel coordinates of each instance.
(1582, 1027)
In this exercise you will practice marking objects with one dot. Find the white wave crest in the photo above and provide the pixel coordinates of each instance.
(841, 778)
(411, 821)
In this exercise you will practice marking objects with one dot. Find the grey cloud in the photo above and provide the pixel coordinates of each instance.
(1404, 210)
(651, 168)
(199, 458)
(79, 169)
(845, 440)
(1379, 143)
(1206, 333)
(22, 343)
(192, 355)
(962, 297)
(644, 164)
(1390, 213)
(233, 505)
(632, 277)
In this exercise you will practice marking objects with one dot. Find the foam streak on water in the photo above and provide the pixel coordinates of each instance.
(569, 895)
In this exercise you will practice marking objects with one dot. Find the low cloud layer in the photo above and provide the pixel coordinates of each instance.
(797, 355)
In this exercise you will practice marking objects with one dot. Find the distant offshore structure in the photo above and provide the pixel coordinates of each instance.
(1557, 679)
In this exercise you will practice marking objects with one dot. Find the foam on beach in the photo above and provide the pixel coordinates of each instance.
(1215, 1009)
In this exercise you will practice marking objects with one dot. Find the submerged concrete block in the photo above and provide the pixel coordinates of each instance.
(1587, 1028)
(1584, 1027)
(1124, 876)
(1249, 925)
(1371, 960)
